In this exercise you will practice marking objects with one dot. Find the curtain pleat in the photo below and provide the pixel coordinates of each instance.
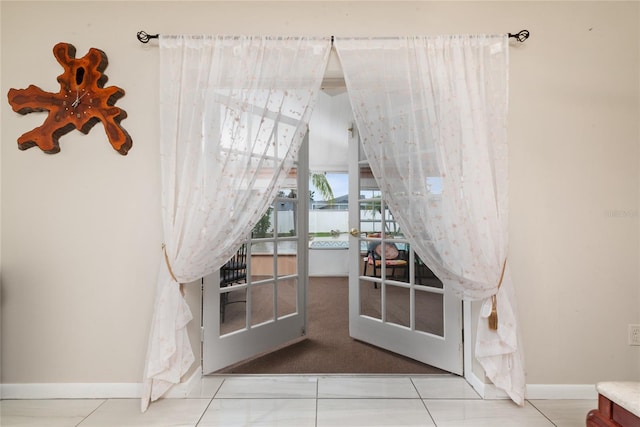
(431, 112)
(233, 113)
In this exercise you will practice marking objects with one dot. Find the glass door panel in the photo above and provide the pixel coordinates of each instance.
(398, 305)
(267, 307)
(370, 300)
(395, 301)
(262, 303)
(429, 312)
(287, 297)
(233, 311)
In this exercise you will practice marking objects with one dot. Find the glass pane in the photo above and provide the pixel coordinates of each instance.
(392, 228)
(289, 186)
(262, 309)
(365, 268)
(264, 227)
(429, 312)
(328, 191)
(399, 271)
(233, 311)
(370, 303)
(287, 260)
(368, 184)
(424, 276)
(370, 218)
(386, 259)
(287, 247)
(287, 297)
(234, 271)
(397, 261)
(286, 215)
(261, 260)
(398, 305)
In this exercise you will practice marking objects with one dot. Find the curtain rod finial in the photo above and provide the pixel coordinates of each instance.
(521, 36)
(143, 37)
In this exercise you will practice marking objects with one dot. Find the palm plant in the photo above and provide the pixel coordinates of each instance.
(319, 180)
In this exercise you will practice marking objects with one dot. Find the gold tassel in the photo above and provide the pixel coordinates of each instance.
(493, 317)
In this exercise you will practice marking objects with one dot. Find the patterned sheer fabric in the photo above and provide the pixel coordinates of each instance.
(431, 112)
(234, 111)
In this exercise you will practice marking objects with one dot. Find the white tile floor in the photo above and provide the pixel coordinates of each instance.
(300, 401)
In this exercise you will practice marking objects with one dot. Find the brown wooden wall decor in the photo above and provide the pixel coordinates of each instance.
(81, 102)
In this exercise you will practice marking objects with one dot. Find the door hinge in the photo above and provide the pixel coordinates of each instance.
(201, 333)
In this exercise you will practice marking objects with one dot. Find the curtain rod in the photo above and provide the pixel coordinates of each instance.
(520, 36)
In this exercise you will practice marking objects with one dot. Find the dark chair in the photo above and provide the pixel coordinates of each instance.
(233, 271)
(394, 259)
(424, 276)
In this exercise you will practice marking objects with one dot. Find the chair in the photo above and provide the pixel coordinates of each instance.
(233, 271)
(394, 258)
(424, 276)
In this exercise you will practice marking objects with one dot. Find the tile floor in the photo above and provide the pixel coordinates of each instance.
(301, 401)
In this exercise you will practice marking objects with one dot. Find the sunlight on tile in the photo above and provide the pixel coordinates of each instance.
(566, 413)
(366, 387)
(207, 387)
(268, 387)
(52, 413)
(309, 401)
(444, 387)
(372, 413)
(164, 412)
(260, 412)
(484, 413)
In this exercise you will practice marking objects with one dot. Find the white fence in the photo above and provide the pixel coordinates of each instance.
(326, 221)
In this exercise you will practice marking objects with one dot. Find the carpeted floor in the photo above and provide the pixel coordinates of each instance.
(328, 347)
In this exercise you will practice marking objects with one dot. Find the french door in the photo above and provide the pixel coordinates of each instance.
(395, 301)
(266, 306)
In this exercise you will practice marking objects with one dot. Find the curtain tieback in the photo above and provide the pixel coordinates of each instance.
(166, 259)
(493, 317)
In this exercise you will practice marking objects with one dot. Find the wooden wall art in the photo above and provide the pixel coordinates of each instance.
(81, 102)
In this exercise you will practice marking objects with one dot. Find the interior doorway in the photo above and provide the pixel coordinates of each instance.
(328, 346)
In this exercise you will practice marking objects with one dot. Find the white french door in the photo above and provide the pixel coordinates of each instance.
(266, 308)
(395, 301)
(399, 306)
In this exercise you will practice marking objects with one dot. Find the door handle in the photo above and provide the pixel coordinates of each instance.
(355, 232)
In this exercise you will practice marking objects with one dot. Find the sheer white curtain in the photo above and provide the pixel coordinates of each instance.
(234, 111)
(431, 112)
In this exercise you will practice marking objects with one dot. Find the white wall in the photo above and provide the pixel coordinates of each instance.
(329, 133)
(81, 230)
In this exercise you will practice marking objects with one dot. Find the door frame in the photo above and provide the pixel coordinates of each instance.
(470, 376)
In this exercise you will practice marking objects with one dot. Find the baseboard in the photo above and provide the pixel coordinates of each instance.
(92, 390)
(184, 389)
(72, 391)
(562, 391)
(475, 382)
(536, 391)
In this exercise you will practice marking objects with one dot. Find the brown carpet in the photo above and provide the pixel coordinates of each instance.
(328, 347)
